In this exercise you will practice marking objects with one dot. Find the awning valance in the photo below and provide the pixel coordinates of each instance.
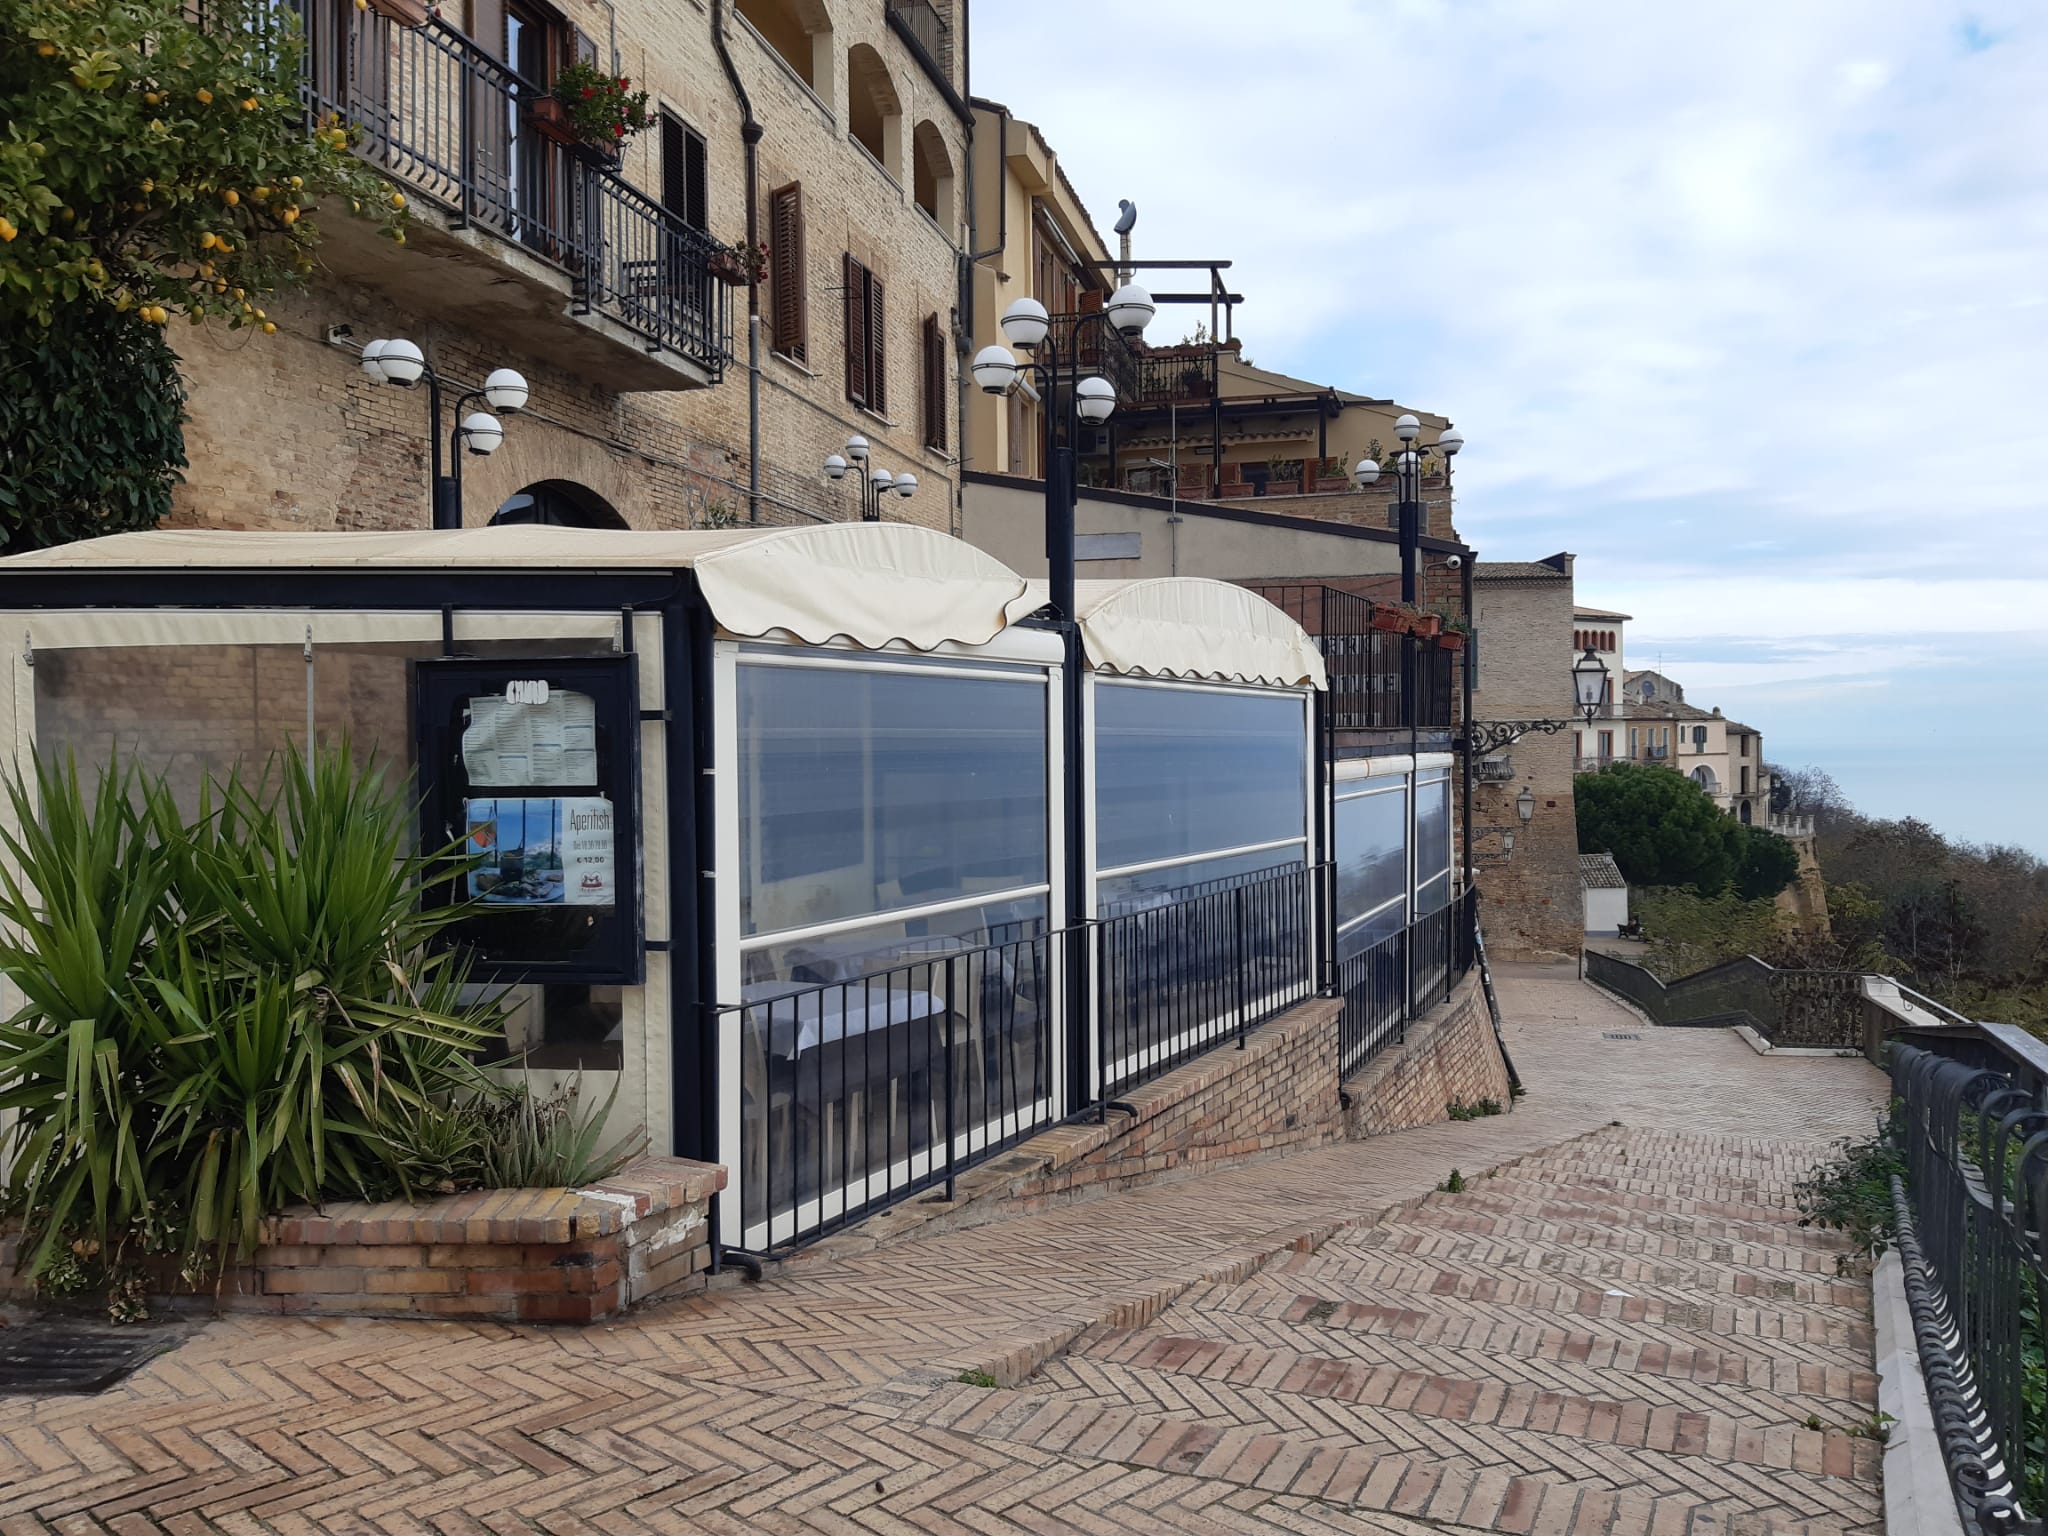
(1192, 628)
(873, 583)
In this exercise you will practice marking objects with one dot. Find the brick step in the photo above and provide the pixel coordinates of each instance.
(1483, 1273)
(1171, 1368)
(1698, 1218)
(1475, 1477)
(1814, 1335)
(1547, 1355)
(1539, 1245)
(1678, 1182)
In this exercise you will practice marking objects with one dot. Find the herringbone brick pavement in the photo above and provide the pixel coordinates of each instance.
(1622, 1332)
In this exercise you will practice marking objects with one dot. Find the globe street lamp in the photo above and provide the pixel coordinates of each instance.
(875, 481)
(1408, 489)
(398, 361)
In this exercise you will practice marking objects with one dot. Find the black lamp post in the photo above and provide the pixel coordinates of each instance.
(402, 363)
(1589, 684)
(1408, 492)
(875, 481)
(1069, 402)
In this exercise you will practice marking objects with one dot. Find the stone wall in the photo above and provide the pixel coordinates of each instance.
(1530, 899)
(1450, 1057)
(286, 431)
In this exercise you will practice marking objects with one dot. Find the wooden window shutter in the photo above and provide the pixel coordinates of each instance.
(788, 303)
(934, 384)
(857, 357)
(878, 372)
(683, 173)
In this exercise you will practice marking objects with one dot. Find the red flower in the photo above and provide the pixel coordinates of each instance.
(588, 93)
(624, 82)
(619, 132)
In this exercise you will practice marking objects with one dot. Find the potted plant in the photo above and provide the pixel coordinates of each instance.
(1451, 640)
(1392, 620)
(1427, 624)
(1330, 476)
(590, 112)
(738, 265)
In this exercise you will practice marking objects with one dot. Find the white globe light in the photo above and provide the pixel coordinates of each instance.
(994, 369)
(1365, 471)
(1094, 399)
(1451, 441)
(835, 467)
(882, 479)
(401, 361)
(1406, 427)
(1130, 309)
(483, 433)
(1025, 323)
(857, 448)
(371, 353)
(1407, 459)
(506, 390)
(906, 485)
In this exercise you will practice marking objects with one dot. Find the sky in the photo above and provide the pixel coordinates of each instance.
(1744, 304)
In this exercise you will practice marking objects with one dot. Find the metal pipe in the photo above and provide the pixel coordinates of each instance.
(751, 133)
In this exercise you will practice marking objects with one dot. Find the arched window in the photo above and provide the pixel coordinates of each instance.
(558, 504)
(800, 32)
(1704, 777)
(874, 112)
(931, 174)
(1745, 813)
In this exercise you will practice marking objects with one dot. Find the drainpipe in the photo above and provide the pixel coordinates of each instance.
(750, 136)
(963, 309)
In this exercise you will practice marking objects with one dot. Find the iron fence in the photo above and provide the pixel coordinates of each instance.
(934, 35)
(437, 113)
(1175, 378)
(1380, 678)
(1401, 975)
(1184, 975)
(1973, 1245)
(1089, 343)
(1815, 1009)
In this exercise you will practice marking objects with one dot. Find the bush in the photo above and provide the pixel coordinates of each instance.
(235, 1011)
(1852, 1192)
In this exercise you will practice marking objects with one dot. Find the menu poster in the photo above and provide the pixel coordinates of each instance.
(541, 853)
(510, 744)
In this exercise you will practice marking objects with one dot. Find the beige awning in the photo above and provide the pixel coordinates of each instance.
(1190, 627)
(873, 583)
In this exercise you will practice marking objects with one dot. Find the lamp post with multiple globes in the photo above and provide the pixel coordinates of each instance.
(398, 361)
(875, 481)
(1408, 487)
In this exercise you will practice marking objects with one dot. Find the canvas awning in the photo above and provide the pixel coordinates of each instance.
(1193, 628)
(873, 583)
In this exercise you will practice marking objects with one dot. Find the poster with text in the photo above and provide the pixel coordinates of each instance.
(541, 853)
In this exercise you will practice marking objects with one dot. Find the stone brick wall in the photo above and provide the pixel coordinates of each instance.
(285, 431)
(1450, 1056)
(1530, 902)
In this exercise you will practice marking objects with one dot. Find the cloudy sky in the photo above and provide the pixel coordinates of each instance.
(1746, 304)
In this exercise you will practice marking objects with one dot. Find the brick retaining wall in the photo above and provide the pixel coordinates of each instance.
(1450, 1056)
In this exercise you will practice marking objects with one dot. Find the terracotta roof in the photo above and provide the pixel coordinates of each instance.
(1598, 872)
(1516, 570)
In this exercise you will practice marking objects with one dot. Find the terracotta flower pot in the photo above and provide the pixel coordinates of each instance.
(551, 120)
(1392, 620)
(1451, 640)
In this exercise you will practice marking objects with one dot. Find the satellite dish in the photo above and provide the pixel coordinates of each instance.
(1128, 217)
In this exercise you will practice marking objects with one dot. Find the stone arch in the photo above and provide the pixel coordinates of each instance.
(800, 32)
(558, 504)
(1704, 777)
(874, 112)
(931, 174)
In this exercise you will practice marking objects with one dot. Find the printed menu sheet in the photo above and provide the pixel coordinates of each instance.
(512, 746)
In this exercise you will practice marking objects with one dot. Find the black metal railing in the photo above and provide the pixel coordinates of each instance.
(857, 1094)
(1380, 678)
(441, 116)
(1189, 973)
(1400, 976)
(1180, 377)
(1090, 343)
(1808, 1009)
(933, 32)
(1973, 1246)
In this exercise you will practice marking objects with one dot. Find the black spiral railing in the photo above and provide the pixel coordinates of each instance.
(1973, 1247)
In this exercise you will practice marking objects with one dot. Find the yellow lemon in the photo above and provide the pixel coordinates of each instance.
(205, 96)
(45, 50)
(208, 240)
(398, 199)
(290, 215)
(7, 230)
(270, 327)
(231, 197)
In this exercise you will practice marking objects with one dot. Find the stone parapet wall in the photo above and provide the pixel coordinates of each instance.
(1450, 1057)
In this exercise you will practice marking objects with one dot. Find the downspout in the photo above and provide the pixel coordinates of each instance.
(750, 136)
(963, 311)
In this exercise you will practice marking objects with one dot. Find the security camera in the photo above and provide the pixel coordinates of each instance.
(1455, 561)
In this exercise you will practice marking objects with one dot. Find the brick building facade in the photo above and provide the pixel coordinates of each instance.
(855, 186)
(1531, 903)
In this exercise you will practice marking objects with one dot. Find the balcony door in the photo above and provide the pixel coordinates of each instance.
(537, 43)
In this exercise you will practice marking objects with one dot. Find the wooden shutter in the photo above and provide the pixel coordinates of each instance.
(857, 354)
(788, 312)
(934, 384)
(683, 173)
(878, 394)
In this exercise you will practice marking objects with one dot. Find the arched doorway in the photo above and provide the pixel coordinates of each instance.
(558, 504)
(1745, 813)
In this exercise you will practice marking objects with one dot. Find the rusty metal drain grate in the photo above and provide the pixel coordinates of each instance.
(62, 1355)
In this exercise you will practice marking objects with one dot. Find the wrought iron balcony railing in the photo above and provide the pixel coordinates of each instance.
(453, 125)
(1379, 678)
(929, 26)
(1090, 343)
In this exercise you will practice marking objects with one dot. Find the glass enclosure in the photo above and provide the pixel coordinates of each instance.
(1371, 854)
(1432, 840)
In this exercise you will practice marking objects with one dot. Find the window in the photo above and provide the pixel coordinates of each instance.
(1745, 781)
(931, 174)
(1372, 862)
(788, 301)
(866, 371)
(874, 114)
(684, 173)
(1433, 843)
(1606, 746)
(934, 384)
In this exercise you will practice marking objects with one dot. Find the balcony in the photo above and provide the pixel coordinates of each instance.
(1494, 770)
(1593, 764)
(1087, 342)
(928, 28)
(517, 237)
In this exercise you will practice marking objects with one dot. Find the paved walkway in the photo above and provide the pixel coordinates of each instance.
(1622, 1332)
